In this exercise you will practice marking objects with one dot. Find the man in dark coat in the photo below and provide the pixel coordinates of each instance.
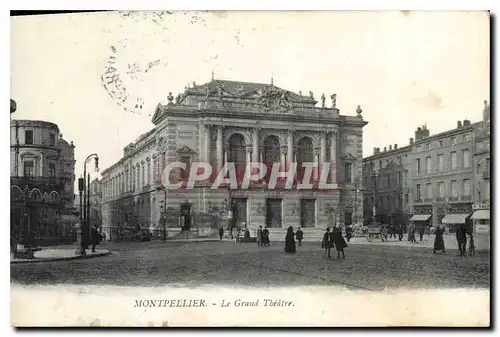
(348, 232)
(300, 236)
(265, 237)
(259, 237)
(221, 232)
(438, 240)
(95, 238)
(339, 241)
(290, 241)
(462, 240)
(327, 242)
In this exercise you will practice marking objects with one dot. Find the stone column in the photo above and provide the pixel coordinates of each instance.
(41, 166)
(249, 160)
(316, 169)
(333, 157)
(290, 147)
(322, 153)
(207, 144)
(283, 158)
(226, 156)
(256, 145)
(220, 153)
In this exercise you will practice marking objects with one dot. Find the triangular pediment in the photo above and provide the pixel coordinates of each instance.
(158, 112)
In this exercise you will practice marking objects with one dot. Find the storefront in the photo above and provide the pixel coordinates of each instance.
(422, 218)
(456, 215)
(481, 218)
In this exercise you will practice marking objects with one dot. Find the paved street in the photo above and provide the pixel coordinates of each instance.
(370, 267)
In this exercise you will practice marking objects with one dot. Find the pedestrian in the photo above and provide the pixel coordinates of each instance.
(238, 231)
(472, 247)
(95, 238)
(290, 241)
(247, 235)
(348, 232)
(221, 232)
(438, 239)
(461, 240)
(421, 232)
(327, 242)
(265, 237)
(300, 236)
(259, 237)
(339, 241)
(399, 229)
(411, 233)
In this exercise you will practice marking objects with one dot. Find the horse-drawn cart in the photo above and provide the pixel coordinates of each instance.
(377, 230)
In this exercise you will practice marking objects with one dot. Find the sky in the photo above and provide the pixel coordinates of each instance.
(404, 68)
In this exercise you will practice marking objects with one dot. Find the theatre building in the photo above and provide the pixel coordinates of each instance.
(223, 122)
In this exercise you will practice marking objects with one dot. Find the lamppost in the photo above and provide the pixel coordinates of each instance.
(374, 188)
(356, 186)
(164, 215)
(86, 212)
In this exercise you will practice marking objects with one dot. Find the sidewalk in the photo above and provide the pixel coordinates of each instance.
(65, 254)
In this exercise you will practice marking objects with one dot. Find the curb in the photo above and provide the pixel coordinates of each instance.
(198, 240)
(54, 259)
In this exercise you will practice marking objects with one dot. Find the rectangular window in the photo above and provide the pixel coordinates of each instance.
(407, 200)
(149, 172)
(466, 187)
(466, 156)
(418, 166)
(487, 190)
(441, 162)
(428, 188)
(466, 137)
(348, 173)
(428, 165)
(28, 137)
(453, 140)
(454, 188)
(453, 160)
(52, 139)
(419, 194)
(29, 168)
(440, 143)
(441, 189)
(52, 170)
(428, 146)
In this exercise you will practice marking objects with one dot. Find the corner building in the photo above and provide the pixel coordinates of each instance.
(228, 121)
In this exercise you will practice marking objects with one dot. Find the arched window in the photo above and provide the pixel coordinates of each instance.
(271, 153)
(304, 155)
(237, 154)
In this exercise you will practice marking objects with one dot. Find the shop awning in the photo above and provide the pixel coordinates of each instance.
(420, 217)
(481, 214)
(450, 219)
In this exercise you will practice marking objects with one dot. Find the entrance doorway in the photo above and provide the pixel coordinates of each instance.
(186, 215)
(274, 212)
(239, 208)
(307, 213)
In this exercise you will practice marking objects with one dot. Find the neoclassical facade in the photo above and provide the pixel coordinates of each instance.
(42, 182)
(239, 122)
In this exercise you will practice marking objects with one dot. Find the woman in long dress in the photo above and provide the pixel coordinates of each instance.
(290, 241)
(339, 242)
(438, 240)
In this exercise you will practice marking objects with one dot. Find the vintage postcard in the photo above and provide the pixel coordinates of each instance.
(250, 169)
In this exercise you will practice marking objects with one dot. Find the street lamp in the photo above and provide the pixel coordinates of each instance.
(164, 207)
(374, 188)
(86, 212)
(356, 186)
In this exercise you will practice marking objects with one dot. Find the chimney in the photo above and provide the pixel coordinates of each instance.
(395, 146)
(374, 150)
(418, 134)
(390, 147)
(411, 141)
(466, 122)
(459, 124)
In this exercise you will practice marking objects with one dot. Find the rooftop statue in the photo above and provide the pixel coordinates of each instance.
(334, 100)
(323, 98)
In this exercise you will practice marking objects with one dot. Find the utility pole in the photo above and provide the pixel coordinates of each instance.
(356, 183)
(374, 187)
